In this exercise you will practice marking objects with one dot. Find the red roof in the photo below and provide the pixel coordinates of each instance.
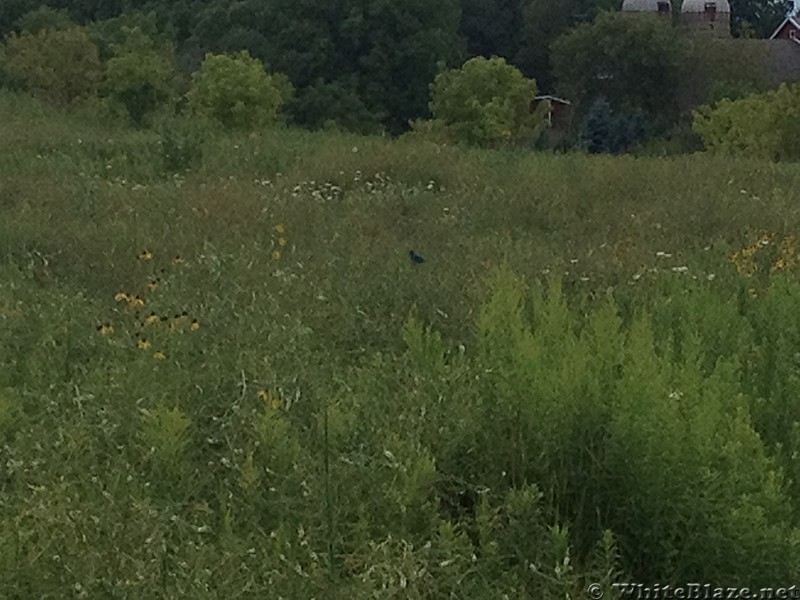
(793, 20)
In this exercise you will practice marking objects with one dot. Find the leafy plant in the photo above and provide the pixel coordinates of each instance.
(236, 91)
(764, 125)
(60, 66)
(486, 102)
(139, 78)
(44, 18)
(605, 131)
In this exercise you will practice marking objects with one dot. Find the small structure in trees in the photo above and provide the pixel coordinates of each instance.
(788, 30)
(558, 115)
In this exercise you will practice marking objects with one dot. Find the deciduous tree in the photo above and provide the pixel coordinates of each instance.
(486, 102)
(61, 66)
(636, 63)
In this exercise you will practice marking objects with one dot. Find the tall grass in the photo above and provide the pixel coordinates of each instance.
(221, 375)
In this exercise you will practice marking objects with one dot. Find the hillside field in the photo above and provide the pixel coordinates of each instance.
(230, 380)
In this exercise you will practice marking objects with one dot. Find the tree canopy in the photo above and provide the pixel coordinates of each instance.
(367, 65)
(634, 63)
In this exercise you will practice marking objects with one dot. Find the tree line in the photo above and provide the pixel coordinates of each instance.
(370, 65)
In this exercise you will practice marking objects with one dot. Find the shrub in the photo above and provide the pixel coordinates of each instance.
(605, 131)
(236, 91)
(110, 34)
(139, 78)
(486, 102)
(328, 104)
(61, 66)
(765, 125)
(635, 63)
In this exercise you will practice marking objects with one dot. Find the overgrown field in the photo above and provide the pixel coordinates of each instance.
(232, 382)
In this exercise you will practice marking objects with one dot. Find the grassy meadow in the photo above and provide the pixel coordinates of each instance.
(222, 377)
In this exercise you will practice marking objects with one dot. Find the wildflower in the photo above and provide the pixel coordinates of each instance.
(105, 329)
(779, 264)
(153, 285)
(752, 292)
(159, 355)
(143, 344)
(177, 260)
(136, 302)
(121, 297)
(145, 255)
(273, 401)
(195, 326)
(152, 319)
(280, 228)
(281, 241)
(276, 255)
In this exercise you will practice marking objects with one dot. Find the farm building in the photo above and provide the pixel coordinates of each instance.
(779, 55)
(788, 30)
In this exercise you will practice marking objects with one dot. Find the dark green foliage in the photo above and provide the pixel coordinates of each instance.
(635, 63)
(491, 27)
(43, 18)
(140, 77)
(115, 33)
(333, 104)
(61, 66)
(760, 17)
(605, 131)
(13, 10)
(543, 21)
(385, 53)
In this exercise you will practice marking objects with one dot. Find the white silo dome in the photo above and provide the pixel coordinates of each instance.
(699, 6)
(642, 5)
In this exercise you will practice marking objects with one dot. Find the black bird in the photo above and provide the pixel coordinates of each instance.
(416, 258)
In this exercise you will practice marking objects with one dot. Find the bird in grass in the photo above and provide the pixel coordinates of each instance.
(415, 258)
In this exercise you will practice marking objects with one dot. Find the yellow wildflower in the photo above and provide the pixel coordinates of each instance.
(195, 325)
(752, 292)
(105, 329)
(281, 241)
(276, 255)
(280, 228)
(272, 401)
(136, 302)
(152, 319)
(121, 296)
(153, 285)
(143, 344)
(145, 255)
(177, 260)
(159, 355)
